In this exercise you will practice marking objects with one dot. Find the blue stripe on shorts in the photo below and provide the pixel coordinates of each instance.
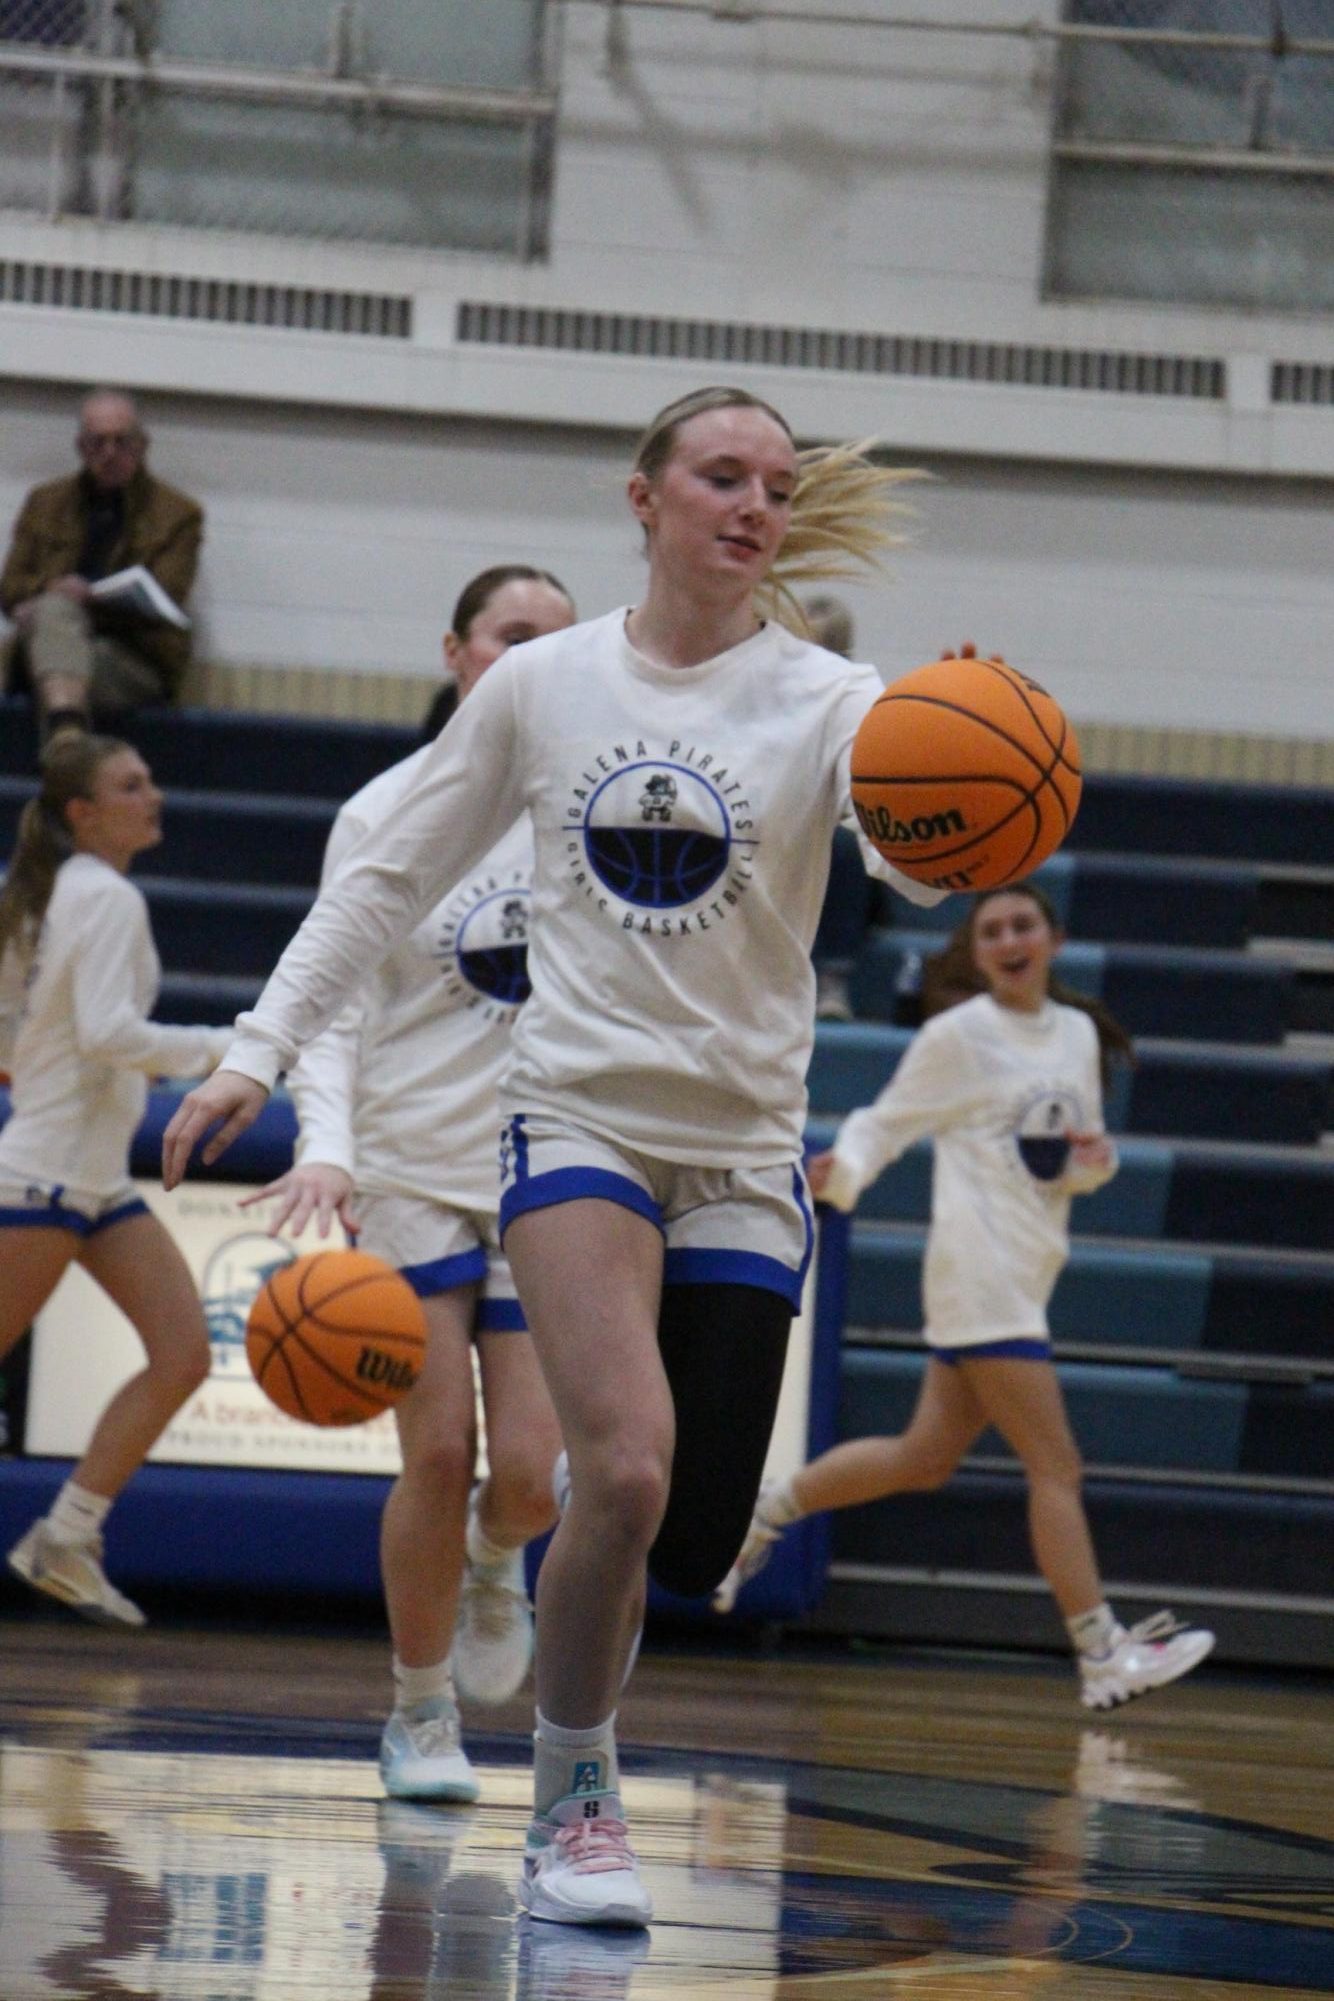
(1021, 1349)
(573, 1184)
(123, 1210)
(500, 1316)
(53, 1216)
(698, 1265)
(445, 1274)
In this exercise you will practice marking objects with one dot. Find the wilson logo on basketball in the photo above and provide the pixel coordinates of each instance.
(883, 830)
(374, 1366)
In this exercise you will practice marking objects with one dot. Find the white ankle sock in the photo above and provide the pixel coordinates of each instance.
(572, 1761)
(76, 1515)
(780, 1507)
(425, 1684)
(483, 1554)
(1094, 1633)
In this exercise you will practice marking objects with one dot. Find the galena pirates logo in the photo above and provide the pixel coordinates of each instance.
(663, 845)
(480, 939)
(1040, 1128)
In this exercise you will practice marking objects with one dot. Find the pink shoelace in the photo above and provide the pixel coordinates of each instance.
(594, 1846)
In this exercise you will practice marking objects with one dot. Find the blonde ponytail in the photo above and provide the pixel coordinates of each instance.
(844, 517)
(70, 765)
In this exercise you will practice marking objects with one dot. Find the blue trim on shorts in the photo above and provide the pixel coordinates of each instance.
(52, 1217)
(694, 1264)
(800, 1195)
(576, 1184)
(135, 1207)
(1021, 1349)
(500, 1316)
(445, 1274)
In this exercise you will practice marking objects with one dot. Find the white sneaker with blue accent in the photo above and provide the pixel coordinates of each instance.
(421, 1757)
(1158, 1650)
(579, 1867)
(72, 1573)
(493, 1638)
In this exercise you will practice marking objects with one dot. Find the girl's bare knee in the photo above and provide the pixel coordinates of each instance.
(523, 1486)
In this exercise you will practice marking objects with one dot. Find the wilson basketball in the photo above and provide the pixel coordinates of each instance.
(336, 1337)
(965, 774)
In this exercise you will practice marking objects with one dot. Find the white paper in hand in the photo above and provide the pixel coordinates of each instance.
(139, 591)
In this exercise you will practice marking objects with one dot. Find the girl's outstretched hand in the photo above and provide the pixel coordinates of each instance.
(818, 1170)
(318, 1189)
(223, 1108)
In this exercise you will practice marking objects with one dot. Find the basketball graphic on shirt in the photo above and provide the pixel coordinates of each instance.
(1042, 1134)
(657, 835)
(491, 946)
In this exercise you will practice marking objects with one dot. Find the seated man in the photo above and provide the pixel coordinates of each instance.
(79, 656)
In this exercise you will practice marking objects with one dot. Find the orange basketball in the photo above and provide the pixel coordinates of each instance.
(336, 1337)
(965, 774)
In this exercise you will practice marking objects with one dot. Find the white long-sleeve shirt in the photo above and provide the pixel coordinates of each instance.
(999, 1090)
(400, 1090)
(82, 1046)
(682, 822)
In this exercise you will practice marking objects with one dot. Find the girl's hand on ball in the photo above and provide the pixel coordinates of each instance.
(318, 1189)
(224, 1107)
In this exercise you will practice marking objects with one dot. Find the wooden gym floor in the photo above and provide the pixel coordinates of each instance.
(194, 1814)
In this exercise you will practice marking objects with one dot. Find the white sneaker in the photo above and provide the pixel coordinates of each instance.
(1158, 1650)
(756, 1550)
(579, 1867)
(493, 1639)
(73, 1573)
(421, 1757)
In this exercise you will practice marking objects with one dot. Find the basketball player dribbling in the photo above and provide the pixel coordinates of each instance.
(78, 979)
(685, 764)
(398, 1120)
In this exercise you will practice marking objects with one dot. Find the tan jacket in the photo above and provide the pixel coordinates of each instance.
(163, 530)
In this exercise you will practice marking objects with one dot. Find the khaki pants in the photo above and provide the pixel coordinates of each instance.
(60, 641)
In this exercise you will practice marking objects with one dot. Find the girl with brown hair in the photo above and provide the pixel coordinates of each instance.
(1006, 1079)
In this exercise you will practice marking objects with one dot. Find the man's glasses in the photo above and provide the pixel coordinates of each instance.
(110, 441)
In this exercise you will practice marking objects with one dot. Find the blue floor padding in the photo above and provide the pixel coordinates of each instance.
(224, 1528)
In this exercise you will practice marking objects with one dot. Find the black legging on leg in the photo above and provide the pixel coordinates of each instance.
(723, 1347)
